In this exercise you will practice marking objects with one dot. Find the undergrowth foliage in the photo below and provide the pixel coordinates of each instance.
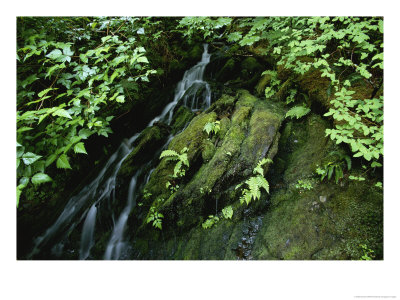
(255, 183)
(346, 50)
(73, 73)
(69, 80)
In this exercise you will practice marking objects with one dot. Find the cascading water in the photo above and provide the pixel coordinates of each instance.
(87, 203)
(192, 81)
(87, 232)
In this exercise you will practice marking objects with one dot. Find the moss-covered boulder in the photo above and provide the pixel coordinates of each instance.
(249, 131)
(144, 148)
(227, 72)
(330, 221)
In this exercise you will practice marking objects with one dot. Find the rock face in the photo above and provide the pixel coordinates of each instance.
(329, 221)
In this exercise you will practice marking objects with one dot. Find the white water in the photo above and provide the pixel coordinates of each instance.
(116, 243)
(102, 188)
(193, 78)
(88, 232)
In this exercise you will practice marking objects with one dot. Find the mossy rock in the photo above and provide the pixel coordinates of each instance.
(217, 164)
(182, 116)
(262, 84)
(148, 143)
(227, 72)
(143, 148)
(328, 222)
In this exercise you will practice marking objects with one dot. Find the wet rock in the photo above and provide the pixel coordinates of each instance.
(317, 229)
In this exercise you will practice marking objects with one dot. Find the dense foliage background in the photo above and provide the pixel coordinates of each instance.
(74, 75)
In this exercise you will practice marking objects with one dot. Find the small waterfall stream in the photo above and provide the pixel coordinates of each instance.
(87, 203)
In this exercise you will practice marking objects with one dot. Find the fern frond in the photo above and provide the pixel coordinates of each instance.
(177, 168)
(166, 153)
(184, 158)
(258, 169)
(298, 112)
(262, 182)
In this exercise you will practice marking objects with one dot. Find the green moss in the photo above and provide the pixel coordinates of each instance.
(226, 71)
(307, 145)
(262, 83)
(193, 135)
(284, 90)
(208, 150)
(182, 116)
(327, 222)
(245, 99)
(146, 144)
(195, 53)
(224, 124)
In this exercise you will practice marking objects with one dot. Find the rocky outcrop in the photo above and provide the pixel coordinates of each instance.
(329, 221)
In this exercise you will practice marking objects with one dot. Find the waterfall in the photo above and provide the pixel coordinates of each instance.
(87, 232)
(102, 188)
(116, 244)
(187, 88)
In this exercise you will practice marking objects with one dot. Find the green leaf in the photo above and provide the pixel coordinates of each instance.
(120, 99)
(62, 162)
(227, 212)
(208, 128)
(51, 159)
(84, 58)
(375, 164)
(67, 50)
(55, 54)
(298, 112)
(85, 133)
(330, 171)
(143, 59)
(19, 190)
(166, 153)
(80, 148)
(62, 113)
(29, 158)
(40, 178)
(44, 92)
(105, 38)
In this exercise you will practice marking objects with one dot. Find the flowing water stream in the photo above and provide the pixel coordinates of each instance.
(100, 193)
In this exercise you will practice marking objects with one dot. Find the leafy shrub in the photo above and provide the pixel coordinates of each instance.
(69, 74)
(346, 50)
(368, 254)
(304, 185)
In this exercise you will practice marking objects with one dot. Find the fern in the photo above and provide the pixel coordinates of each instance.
(255, 183)
(258, 169)
(182, 159)
(298, 112)
(169, 153)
